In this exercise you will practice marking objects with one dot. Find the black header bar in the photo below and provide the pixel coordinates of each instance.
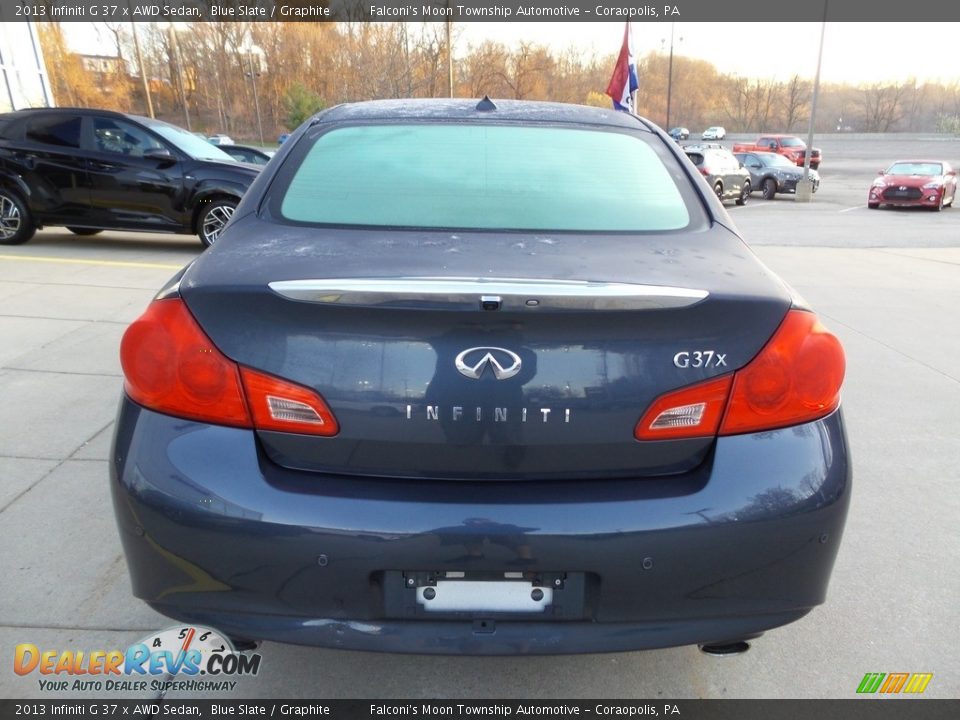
(480, 10)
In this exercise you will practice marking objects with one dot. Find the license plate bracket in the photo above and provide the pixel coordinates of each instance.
(505, 595)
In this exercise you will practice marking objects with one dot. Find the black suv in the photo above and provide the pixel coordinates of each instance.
(93, 170)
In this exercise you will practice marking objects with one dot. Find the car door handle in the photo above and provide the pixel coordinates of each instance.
(98, 165)
(28, 159)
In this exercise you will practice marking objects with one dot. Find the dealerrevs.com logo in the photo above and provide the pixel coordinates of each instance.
(183, 657)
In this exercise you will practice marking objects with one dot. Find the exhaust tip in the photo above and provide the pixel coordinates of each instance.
(727, 649)
(244, 645)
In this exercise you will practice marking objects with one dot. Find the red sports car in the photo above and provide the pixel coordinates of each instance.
(927, 183)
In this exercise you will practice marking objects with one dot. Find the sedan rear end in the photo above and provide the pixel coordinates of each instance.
(448, 384)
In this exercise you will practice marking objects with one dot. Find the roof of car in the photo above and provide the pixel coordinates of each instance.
(457, 109)
(71, 110)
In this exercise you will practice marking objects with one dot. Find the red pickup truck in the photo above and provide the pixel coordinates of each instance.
(790, 146)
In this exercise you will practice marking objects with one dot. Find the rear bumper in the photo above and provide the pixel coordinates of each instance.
(216, 534)
(800, 159)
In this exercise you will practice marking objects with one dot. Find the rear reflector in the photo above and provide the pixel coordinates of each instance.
(283, 406)
(694, 411)
(794, 379)
(171, 366)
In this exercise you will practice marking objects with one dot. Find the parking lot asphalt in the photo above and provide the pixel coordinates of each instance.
(887, 282)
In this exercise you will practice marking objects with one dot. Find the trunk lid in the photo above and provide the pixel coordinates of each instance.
(389, 328)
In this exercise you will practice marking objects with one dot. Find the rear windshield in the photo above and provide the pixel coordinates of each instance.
(507, 177)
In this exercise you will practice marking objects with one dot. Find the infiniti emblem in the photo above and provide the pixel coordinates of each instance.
(472, 362)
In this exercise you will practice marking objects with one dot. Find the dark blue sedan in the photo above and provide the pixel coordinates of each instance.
(494, 378)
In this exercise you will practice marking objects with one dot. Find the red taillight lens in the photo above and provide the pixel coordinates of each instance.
(795, 378)
(704, 171)
(693, 411)
(171, 366)
(286, 407)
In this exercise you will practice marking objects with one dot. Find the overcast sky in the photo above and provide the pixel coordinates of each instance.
(853, 52)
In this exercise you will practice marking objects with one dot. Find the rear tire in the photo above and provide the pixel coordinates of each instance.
(84, 231)
(769, 188)
(16, 225)
(744, 193)
(718, 189)
(213, 218)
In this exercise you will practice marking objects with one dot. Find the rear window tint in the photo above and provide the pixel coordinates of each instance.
(483, 177)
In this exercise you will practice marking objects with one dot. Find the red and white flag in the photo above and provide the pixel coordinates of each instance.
(624, 81)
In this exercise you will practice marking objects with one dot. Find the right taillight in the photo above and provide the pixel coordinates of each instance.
(795, 378)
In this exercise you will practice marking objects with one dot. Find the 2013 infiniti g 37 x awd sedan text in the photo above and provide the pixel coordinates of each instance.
(481, 378)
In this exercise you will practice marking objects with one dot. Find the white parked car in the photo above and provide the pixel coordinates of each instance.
(220, 140)
(714, 133)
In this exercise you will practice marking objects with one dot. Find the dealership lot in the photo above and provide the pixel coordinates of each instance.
(887, 282)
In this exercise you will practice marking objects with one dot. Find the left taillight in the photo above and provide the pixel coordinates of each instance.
(171, 366)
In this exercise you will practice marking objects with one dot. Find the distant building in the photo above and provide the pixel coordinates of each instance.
(103, 65)
(24, 83)
(105, 71)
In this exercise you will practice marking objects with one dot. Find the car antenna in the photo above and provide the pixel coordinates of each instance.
(486, 105)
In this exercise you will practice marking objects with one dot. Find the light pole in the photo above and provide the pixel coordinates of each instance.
(670, 74)
(805, 187)
(175, 48)
(256, 98)
(143, 71)
(449, 26)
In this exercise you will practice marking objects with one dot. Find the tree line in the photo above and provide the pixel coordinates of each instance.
(213, 76)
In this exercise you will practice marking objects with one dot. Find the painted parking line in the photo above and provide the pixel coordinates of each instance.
(81, 261)
(856, 207)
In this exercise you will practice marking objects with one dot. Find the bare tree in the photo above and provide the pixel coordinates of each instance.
(796, 97)
(526, 70)
(882, 106)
